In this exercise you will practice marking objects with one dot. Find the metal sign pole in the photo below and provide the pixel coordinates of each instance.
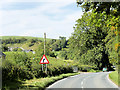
(42, 67)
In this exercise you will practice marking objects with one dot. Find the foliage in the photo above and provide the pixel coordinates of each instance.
(35, 83)
(109, 7)
(114, 77)
(21, 65)
(31, 44)
(112, 42)
(95, 37)
(63, 54)
(86, 43)
(17, 49)
(3, 48)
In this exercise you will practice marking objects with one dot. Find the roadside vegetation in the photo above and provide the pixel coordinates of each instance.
(114, 77)
(25, 66)
(36, 83)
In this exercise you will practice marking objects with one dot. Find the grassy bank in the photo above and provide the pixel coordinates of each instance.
(40, 83)
(114, 77)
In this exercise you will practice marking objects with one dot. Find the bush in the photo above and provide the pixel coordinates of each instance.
(31, 44)
(92, 70)
(21, 65)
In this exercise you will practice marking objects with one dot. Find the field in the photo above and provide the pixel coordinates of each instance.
(19, 37)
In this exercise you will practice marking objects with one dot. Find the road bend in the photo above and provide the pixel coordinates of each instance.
(85, 80)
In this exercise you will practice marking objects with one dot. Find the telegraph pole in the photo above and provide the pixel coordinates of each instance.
(44, 47)
(44, 50)
(44, 42)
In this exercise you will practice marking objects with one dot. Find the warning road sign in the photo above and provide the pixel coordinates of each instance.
(44, 60)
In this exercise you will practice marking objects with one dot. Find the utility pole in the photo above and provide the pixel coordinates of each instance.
(44, 50)
(44, 47)
(44, 42)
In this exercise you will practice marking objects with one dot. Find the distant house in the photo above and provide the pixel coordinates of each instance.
(2, 55)
(10, 49)
(29, 51)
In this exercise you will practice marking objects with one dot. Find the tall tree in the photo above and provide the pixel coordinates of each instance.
(87, 42)
(100, 7)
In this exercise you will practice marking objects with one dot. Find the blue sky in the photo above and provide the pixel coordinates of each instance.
(34, 17)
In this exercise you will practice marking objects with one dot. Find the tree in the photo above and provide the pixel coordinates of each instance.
(48, 51)
(4, 48)
(62, 41)
(87, 42)
(96, 34)
(100, 7)
(112, 39)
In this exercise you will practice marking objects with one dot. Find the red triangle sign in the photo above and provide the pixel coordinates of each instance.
(44, 60)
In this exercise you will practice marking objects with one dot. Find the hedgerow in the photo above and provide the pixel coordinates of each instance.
(25, 66)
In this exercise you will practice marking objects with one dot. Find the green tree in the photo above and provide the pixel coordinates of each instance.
(88, 39)
(63, 42)
(4, 48)
(100, 7)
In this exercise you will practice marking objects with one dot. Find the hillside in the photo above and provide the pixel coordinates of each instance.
(26, 42)
(12, 43)
(19, 37)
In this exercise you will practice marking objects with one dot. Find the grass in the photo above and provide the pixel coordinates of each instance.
(36, 84)
(42, 83)
(114, 77)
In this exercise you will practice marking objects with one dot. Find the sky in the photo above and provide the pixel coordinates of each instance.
(34, 17)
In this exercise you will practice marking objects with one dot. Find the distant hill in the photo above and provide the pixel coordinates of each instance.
(26, 42)
(34, 43)
(19, 37)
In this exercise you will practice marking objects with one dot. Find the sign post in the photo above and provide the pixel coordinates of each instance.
(44, 50)
(44, 59)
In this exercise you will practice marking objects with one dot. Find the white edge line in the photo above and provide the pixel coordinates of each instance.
(111, 81)
(56, 82)
(61, 80)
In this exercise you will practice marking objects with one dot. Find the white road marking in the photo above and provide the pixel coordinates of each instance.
(56, 83)
(82, 83)
(111, 81)
(74, 76)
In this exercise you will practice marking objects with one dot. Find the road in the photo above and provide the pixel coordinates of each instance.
(85, 80)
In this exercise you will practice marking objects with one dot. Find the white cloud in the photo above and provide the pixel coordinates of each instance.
(48, 17)
(3, 1)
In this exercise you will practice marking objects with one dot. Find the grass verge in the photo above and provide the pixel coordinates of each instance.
(37, 84)
(114, 77)
(42, 83)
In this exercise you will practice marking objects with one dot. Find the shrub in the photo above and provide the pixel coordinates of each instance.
(31, 44)
(21, 65)
(92, 70)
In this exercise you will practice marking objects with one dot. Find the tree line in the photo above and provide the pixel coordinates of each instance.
(95, 38)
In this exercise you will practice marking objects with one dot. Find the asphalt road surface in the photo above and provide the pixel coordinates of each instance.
(85, 80)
